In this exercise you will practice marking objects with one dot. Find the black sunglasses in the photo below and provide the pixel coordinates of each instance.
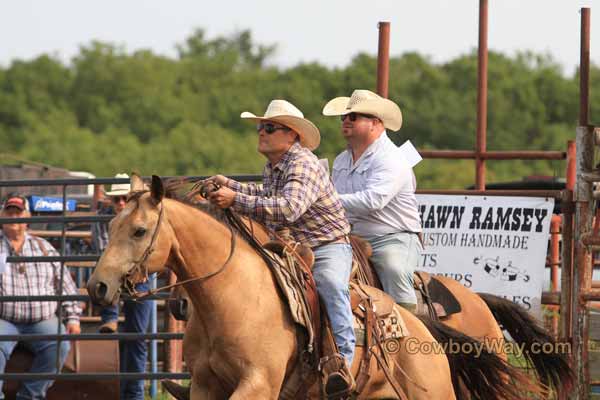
(353, 116)
(117, 199)
(271, 128)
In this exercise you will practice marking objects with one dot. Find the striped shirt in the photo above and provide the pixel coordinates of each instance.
(34, 279)
(296, 195)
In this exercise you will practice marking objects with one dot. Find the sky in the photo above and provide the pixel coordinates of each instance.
(330, 32)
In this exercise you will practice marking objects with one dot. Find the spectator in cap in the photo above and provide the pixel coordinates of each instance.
(39, 317)
(133, 353)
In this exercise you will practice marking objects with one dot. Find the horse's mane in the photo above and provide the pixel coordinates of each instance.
(173, 191)
(192, 198)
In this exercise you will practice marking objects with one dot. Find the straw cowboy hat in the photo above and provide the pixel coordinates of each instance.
(366, 102)
(119, 189)
(285, 113)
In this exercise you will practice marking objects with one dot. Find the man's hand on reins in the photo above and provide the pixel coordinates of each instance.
(219, 180)
(222, 198)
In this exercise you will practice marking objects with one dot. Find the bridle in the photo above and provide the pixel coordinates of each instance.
(140, 267)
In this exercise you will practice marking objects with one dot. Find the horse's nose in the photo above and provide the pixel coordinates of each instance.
(100, 291)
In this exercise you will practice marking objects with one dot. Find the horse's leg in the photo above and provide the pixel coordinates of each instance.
(256, 385)
(206, 391)
(205, 384)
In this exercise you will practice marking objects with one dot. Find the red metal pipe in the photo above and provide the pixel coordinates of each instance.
(482, 95)
(584, 68)
(571, 173)
(566, 300)
(591, 295)
(495, 155)
(555, 194)
(582, 273)
(383, 59)
(96, 197)
(554, 262)
(555, 250)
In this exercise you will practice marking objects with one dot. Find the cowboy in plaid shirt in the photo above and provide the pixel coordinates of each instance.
(298, 197)
(36, 317)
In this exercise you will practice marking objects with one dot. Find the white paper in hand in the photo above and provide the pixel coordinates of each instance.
(410, 154)
(3, 262)
(325, 164)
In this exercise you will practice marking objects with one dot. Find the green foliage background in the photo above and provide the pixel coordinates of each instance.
(109, 110)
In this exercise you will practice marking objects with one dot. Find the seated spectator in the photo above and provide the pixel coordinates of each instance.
(39, 317)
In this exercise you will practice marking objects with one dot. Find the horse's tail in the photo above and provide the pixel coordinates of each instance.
(176, 390)
(540, 349)
(478, 370)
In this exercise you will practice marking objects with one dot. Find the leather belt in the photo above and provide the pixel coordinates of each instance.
(344, 239)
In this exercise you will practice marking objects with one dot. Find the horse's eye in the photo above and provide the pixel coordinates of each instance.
(139, 232)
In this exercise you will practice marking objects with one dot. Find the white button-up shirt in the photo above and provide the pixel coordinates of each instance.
(378, 190)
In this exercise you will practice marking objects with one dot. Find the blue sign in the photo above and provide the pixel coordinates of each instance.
(50, 204)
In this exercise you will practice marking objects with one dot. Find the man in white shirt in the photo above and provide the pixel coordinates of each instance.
(377, 189)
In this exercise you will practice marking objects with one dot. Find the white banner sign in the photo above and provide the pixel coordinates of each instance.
(489, 244)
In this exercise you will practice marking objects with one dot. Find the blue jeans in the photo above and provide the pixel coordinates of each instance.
(44, 355)
(395, 258)
(133, 353)
(333, 265)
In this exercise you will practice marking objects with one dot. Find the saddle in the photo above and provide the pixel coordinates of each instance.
(433, 298)
(377, 320)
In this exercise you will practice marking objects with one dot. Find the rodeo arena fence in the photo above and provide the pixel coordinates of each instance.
(573, 230)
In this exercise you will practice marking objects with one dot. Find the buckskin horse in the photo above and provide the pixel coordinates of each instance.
(247, 346)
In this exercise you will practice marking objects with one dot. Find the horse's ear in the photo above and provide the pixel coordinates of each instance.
(137, 183)
(157, 189)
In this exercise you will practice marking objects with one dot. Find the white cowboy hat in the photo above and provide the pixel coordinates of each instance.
(119, 189)
(366, 102)
(285, 113)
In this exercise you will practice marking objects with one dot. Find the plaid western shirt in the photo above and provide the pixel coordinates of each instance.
(34, 279)
(297, 195)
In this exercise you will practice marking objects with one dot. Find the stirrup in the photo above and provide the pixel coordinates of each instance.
(339, 386)
(338, 382)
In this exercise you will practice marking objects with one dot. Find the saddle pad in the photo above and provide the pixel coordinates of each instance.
(291, 280)
(439, 294)
(389, 321)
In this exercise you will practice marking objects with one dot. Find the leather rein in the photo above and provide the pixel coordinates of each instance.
(140, 267)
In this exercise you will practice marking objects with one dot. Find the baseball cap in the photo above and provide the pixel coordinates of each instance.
(17, 202)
